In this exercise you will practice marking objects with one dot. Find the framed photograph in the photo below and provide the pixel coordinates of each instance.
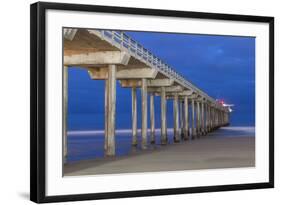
(129, 102)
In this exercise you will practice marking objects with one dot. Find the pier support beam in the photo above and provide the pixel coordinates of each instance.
(110, 111)
(105, 112)
(212, 119)
(193, 119)
(227, 118)
(186, 122)
(207, 118)
(216, 117)
(221, 115)
(222, 118)
(181, 115)
(134, 116)
(219, 118)
(96, 58)
(163, 117)
(198, 122)
(220, 123)
(152, 120)
(144, 113)
(65, 107)
(217, 121)
(218, 111)
(203, 119)
(176, 118)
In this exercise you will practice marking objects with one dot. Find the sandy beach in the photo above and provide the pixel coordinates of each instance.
(228, 147)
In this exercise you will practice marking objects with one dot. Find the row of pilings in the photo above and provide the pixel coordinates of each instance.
(193, 116)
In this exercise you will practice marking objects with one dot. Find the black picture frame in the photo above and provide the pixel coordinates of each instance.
(38, 101)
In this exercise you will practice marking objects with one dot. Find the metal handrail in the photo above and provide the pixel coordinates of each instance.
(124, 42)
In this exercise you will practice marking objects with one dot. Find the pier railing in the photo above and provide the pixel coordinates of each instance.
(124, 42)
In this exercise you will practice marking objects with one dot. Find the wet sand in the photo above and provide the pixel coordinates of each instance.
(228, 147)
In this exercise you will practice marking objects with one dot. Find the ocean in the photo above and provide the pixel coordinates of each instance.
(89, 144)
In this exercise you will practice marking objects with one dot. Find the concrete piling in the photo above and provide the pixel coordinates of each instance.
(134, 117)
(163, 117)
(152, 120)
(193, 119)
(181, 120)
(111, 106)
(176, 118)
(144, 113)
(198, 121)
(202, 118)
(65, 108)
(186, 120)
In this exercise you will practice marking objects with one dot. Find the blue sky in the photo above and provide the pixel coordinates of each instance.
(222, 66)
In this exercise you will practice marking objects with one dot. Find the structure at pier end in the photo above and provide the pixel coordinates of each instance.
(111, 56)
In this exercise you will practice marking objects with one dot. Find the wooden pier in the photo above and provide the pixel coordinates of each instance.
(111, 56)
